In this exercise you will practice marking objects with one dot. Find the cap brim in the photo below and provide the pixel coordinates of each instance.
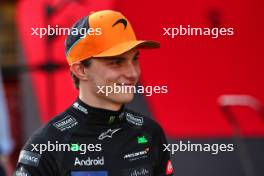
(126, 46)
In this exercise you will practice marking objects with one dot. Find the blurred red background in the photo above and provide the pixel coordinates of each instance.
(196, 69)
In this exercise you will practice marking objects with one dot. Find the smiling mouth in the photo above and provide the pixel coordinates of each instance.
(125, 84)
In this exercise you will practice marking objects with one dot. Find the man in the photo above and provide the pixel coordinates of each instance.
(97, 135)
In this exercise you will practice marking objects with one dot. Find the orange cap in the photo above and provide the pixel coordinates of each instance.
(109, 33)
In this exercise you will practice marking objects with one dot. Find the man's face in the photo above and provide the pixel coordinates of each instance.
(122, 70)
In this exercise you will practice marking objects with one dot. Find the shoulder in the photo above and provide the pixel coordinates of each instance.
(56, 130)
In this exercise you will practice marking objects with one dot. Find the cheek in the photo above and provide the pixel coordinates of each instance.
(105, 77)
(112, 77)
(138, 70)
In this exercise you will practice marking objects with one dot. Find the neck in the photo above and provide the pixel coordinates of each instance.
(96, 102)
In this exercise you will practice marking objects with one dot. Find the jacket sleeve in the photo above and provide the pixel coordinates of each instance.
(32, 162)
(164, 164)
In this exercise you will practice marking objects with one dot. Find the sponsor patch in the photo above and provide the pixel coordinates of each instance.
(79, 107)
(99, 161)
(138, 171)
(137, 155)
(142, 140)
(89, 173)
(108, 134)
(111, 119)
(65, 123)
(135, 120)
(169, 168)
(21, 172)
(29, 158)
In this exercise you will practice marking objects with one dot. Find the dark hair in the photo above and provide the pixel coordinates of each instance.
(75, 79)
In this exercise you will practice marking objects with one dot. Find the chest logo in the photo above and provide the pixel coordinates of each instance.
(108, 134)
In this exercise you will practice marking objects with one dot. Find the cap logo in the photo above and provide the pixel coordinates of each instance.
(122, 21)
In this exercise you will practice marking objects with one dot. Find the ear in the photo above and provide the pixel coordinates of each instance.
(78, 70)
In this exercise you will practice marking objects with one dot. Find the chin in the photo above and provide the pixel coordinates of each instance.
(122, 98)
